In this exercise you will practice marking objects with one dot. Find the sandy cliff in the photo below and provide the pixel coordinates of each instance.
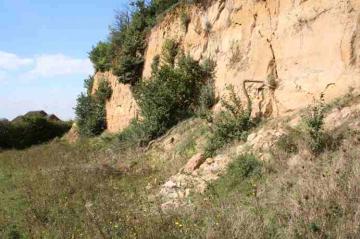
(294, 49)
(121, 108)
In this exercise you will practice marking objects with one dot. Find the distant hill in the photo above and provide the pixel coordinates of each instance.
(38, 113)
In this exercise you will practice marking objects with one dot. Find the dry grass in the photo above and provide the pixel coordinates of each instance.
(95, 190)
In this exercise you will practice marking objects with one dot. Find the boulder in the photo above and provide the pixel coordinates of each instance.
(194, 163)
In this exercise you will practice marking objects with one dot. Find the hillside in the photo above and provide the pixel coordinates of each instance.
(204, 119)
(275, 186)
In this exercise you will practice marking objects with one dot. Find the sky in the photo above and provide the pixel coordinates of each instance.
(44, 47)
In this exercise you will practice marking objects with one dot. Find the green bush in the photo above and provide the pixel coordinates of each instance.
(207, 97)
(90, 110)
(5, 134)
(30, 131)
(155, 64)
(314, 122)
(100, 56)
(169, 52)
(128, 38)
(232, 123)
(171, 95)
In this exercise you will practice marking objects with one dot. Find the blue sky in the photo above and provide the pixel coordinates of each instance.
(44, 49)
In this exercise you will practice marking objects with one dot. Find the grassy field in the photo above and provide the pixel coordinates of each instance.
(99, 189)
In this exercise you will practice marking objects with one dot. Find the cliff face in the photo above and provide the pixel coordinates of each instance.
(121, 108)
(293, 49)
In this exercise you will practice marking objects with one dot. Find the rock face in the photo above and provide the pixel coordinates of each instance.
(294, 49)
(121, 108)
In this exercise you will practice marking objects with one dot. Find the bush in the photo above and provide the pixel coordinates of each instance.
(30, 130)
(311, 136)
(232, 123)
(90, 110)
(90, 116)
(169, 52)
(171, 95)
(314, 121)
(128, 38)
(100, 56)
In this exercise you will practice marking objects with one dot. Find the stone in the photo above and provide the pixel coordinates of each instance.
(251, 137)
(169, 206)
(170, 184)
(209, 160)
(194, 163)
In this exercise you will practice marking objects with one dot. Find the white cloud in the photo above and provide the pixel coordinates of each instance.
(59, 65)
(10, 61)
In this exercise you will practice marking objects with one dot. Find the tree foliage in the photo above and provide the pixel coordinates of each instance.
(90, 109)
(30, 130)
(171, 95)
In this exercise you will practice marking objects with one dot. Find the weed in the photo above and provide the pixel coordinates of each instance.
(232, 123)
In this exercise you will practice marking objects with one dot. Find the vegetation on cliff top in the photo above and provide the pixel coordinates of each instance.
(123, 53)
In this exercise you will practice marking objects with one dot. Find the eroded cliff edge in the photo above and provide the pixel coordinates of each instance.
(293, 49)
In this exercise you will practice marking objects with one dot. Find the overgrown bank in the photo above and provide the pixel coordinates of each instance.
(74, 191)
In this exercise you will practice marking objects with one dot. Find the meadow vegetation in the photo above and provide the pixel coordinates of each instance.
(107, 186)
(68, 191)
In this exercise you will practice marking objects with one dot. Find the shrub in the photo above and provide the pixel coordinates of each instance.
(5, 134)
(171, 95)
(169, 52)
(100, 56)
(88, 84)
(232, 123)
(90, 110)
(104, 90)
(314, 121)
(155, 64)
(235, 53)
(90, 115)
(30, 130)
(128, 38)
(207, 97)
(134, 135)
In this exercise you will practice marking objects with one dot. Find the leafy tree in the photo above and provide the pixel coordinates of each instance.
(100, 56)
